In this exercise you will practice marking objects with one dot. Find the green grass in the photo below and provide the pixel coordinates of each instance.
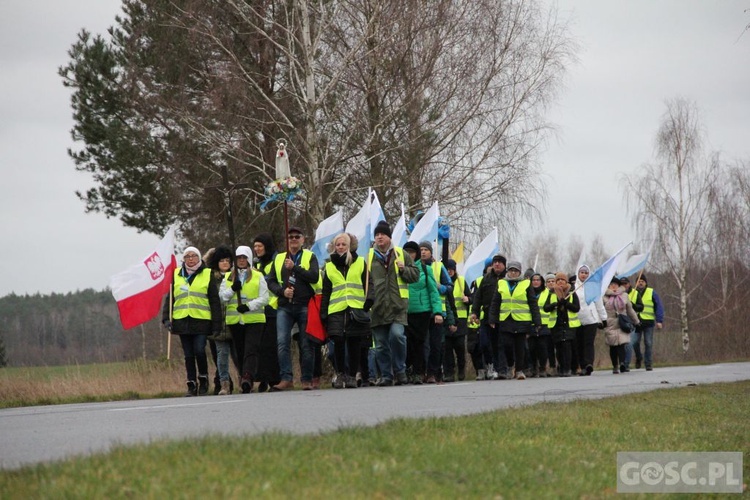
(551, 450)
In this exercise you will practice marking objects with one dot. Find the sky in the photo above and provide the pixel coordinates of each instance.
(633, 56)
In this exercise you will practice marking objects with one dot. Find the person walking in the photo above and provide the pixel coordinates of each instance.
(436, 335)
(194, 312)
(515, 311)
(291, 279)
(592, 317)
(616, 303)
(264, 251)
(538, 339)
(221, 261)
(246, 294)
(392, 270)
(455, 339)
(648, 305)
(346, 301)
(485, 289)
(563, 307)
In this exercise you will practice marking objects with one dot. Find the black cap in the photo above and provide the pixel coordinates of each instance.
(500, 258)
(412, 245)
(382, 228)
(295, 229)
(450, 264)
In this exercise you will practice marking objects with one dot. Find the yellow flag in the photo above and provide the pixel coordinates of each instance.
(458, 254)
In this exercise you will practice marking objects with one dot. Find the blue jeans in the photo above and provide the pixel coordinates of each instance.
(194, 348)
(390, 349)
(286, 317)
(222, 359)
(635, 346)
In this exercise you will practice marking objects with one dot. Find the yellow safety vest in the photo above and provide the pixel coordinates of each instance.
(544, 315)
(649, 311)
(437, 271)
(478, 282)
(318, 285)
(516, 303)
(250, 290)
(191, 299)
(281, 257)
(346, 291)
(458, 292)
(573, 320)
(273, 300)
(403, 288)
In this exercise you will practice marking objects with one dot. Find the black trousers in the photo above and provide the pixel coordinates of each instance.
(268, 354)
(538, 351)
(455, 353)
(617, 354)
(417, 330)
(585, 336)
(246, 338)
(435, 355)
(347, 348)
(564, 350)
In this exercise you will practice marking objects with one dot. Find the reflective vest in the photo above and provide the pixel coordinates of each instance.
(278, 263)
(403, 288)
(649, 311)
(191, 299)
(318, 285)
(346, 291)
(516, 303)
(544, 315)
(437, 271)
(273, 300)
(458, 292)
(573, 320)
(250, 290)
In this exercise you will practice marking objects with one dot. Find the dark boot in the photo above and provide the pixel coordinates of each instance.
(192, 389)
(217, 385)
(202, 385)
(246, 383)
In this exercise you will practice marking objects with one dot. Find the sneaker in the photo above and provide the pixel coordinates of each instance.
(615, 371)
(481, 375)
(316, 383)
(520, 376)
(401, 379)
(338, 382)
(649, 369)
(385, 382)
(624, 369)
(589, 370)
(247, 385)
(638, 364)
(350, 382)
(307, 386)
(501, 376)
(491, 373)
(263, 386)
(283, 386)
(431, 379)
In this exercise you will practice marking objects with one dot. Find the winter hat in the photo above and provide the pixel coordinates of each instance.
(584, 267)
(500, 258)
(191, 250)
(426, 244)
(643, 277)
(514, 264)
(220, 252)
(615, 280)
(549, 276)
(382, 227)
(244, 250)
(561, 276)
(412, 245)
(450, 264)
(266, 240)
(529, 273)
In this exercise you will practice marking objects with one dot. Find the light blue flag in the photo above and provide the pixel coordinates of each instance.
(598, 281)
(427, 227)
(359, 225)
(326, 231)
(474, 267)
(399, 230)
(376, 214)
(633, 265)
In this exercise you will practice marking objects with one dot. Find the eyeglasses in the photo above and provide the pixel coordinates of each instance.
(190, 256)
(295, 236)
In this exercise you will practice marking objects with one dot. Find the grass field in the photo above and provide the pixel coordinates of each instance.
(551, 450)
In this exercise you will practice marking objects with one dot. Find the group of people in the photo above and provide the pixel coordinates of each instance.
(390, 316)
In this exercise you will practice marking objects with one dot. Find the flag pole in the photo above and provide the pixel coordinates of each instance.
(169, 333)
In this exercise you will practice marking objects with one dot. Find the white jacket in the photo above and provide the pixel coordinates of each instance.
(589, 313)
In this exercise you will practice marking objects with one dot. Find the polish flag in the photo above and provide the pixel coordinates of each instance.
(139, 289)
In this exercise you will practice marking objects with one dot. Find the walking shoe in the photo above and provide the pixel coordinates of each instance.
(431, 379)
(615, 371)
(481, 375)
(638, 364)
(350, 382)
(520, 376)
(224, 391)
(624, 369)
(401, 379)
(448, 380)
(316, 383)
(500, 376)
(385, 382)
(202, 385)
(649, 369)
(416, 379)
(263, 386)
(371, 382)
(217, 386)
(307, 386)
(192, 389)
(246, 384)
(338, 382)
(589, 369)
(283, 386)
(461, 375)
(491, 373)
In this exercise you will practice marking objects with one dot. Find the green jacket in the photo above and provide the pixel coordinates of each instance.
(389, 307)
(423, 293)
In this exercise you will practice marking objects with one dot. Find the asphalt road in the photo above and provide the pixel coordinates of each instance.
(46, 433)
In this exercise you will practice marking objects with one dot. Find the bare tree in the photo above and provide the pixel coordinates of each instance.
(670, 200)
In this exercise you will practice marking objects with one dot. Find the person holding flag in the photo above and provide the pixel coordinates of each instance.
(592, 316)
(648, 305)
(562, 305)
(193, 312)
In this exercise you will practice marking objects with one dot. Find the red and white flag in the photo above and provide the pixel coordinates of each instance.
(139, 289)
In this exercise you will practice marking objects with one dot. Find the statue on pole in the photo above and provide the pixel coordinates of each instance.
(285, 187)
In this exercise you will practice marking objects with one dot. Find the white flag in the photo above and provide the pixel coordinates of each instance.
(399, 230)
(427, 227)
(474, 267)
(326, 231)
(359, 225)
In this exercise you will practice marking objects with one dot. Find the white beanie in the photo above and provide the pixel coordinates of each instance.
(245, 251)
(191, 250)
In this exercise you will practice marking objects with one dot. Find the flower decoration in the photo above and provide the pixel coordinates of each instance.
(284, 189)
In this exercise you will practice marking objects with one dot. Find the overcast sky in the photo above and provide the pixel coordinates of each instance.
(634, 55)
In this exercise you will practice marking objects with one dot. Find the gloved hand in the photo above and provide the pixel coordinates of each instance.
(602, 325)
(442, 289)
(242, 308)
(236, 286)
(167, 324)
(368, 304)
(639, 328)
